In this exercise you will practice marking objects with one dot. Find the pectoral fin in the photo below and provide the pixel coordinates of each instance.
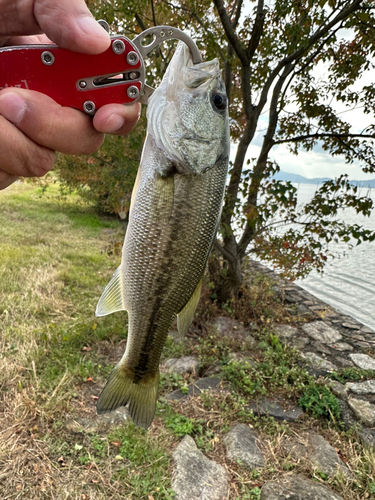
(112, 299)
(186, 315)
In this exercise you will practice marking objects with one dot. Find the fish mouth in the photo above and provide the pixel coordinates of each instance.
(193, 75)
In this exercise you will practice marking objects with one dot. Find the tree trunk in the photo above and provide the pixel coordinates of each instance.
(226, 275)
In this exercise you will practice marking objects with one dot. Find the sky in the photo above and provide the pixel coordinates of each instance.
(316, 163)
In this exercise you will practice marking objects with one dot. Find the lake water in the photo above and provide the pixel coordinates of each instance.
(348, 283)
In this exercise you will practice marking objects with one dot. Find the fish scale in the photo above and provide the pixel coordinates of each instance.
(175, 209)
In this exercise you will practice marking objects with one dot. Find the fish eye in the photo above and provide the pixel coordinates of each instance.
(219, 101)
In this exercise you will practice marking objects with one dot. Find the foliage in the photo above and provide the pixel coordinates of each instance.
(106, 178)
(320, 402)
(181, 425)
(273, 368)
(352, 375)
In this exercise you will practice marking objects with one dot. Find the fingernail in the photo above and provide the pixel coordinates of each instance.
(113, 123)
(91, 27)
(12, 107)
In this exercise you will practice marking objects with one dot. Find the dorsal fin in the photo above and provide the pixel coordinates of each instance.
(112, 299)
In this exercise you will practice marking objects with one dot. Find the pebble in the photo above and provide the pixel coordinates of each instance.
(242, 444)
(196, 477)
(321, 332)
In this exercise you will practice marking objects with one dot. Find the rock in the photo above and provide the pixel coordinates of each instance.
(229, 327)
(298, 343)
(241, 357)
(285, 331)
(215, 369)
(342, 346)
(197, 477)
(303, 310)
(367, 436)
(195, 388)
(362, 345)
(273, 409)
(250, 341)
(325, 456)
(367, 329)
(367, 387)
(296, 488)
(346, 415)
(100, 422)
(186, 364)
(318, 363)
(295, 449)
(242, 446)
(363, 361)
(343, 362)
(363, 410)
(318, 307)
(338, 389)
(321, 332)
(175, 335)
(358, 337)
(351, 326)
(320, 347)
(292, 297)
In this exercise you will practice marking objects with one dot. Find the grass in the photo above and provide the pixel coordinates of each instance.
(57, 255)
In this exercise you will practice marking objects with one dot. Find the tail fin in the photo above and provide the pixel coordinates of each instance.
(120, 390)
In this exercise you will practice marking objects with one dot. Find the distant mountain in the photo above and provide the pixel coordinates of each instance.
(299, 179)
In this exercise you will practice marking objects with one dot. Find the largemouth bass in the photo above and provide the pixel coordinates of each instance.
(174, 215)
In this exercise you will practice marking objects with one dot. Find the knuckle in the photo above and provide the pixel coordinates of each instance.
(40, 164)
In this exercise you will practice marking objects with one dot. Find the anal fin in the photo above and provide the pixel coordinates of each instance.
(186, 315)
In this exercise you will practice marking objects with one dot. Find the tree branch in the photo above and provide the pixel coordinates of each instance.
(259, 168)
(227, 255)
(257, 30)
(323, 135)
(232, 37)
(237, 16)
(302, 50)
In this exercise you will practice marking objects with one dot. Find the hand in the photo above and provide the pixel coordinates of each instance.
(32, 125)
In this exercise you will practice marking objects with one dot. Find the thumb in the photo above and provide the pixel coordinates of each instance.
(71, 25)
